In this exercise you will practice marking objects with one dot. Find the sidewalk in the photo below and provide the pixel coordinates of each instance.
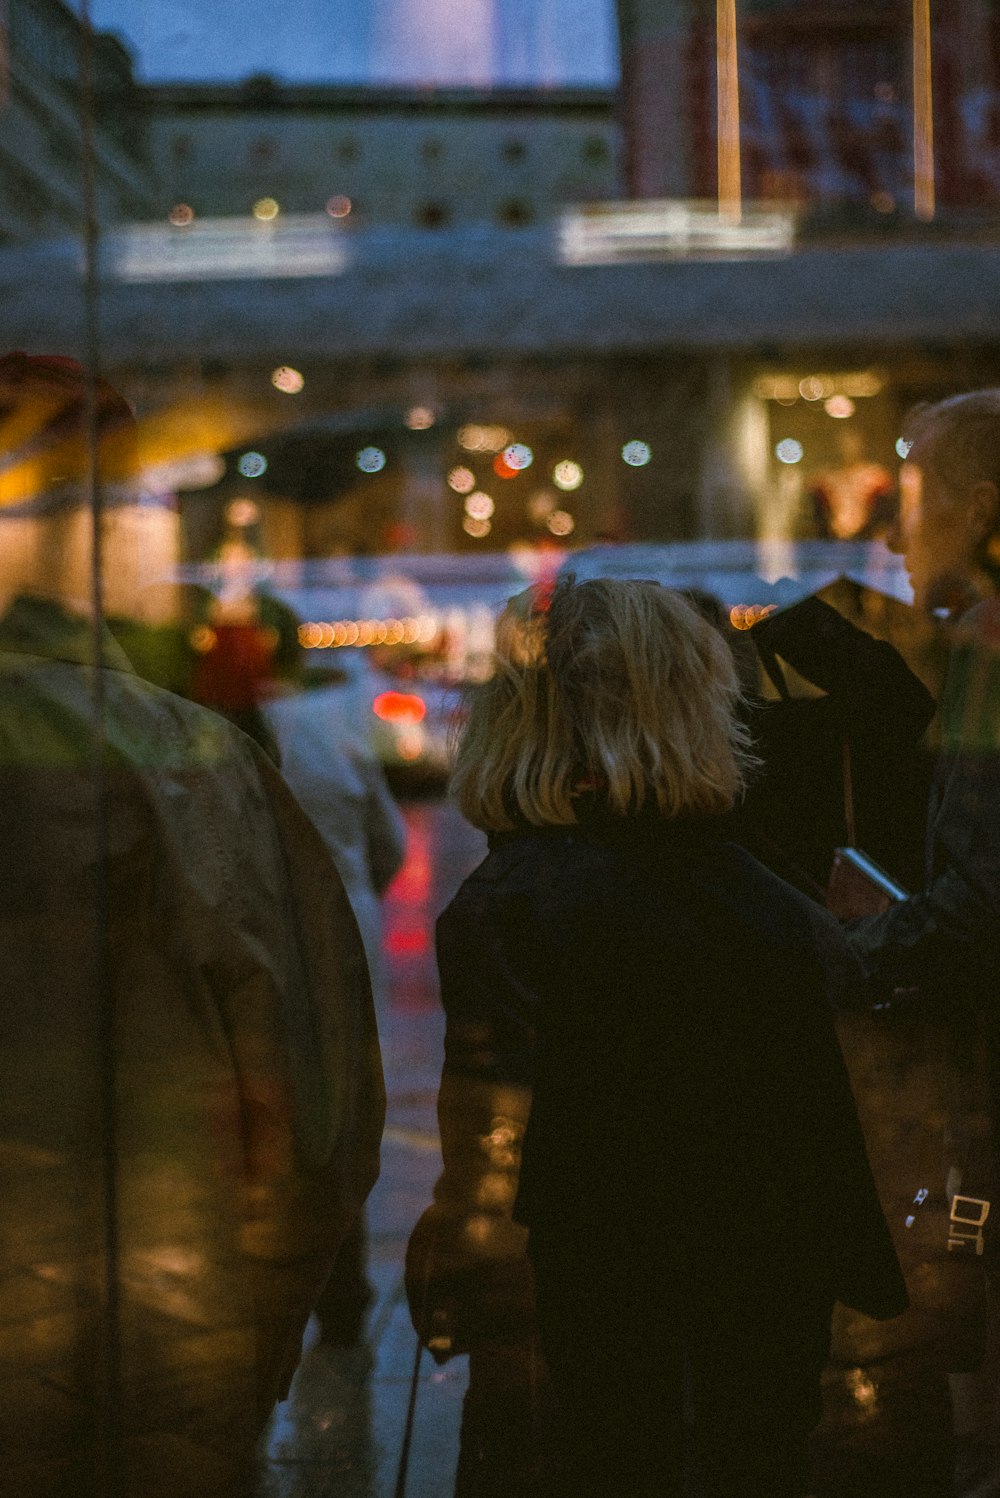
(340, 1432)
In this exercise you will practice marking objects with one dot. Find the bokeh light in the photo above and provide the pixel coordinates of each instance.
(399, 707)
(203, 638)
(476, 528)
(903, 447)
(371, 460)
(812, 388)
(479, 505)
(339, 206)
(561, 523)
(789, 451)
(840, 406)
(462, 480)
(266, 209)
(746, 615)
(419, 418)
(482, 439)
(242, 512)
(540, 505)
(567, 475)
(181, 214)
(287, 379)
(636, 454)
(502, 468)
(518, 456)
(252, 465)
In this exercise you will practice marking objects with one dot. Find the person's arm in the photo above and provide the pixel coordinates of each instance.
(303, 1031)
(467, 1274)
(876, 692)
(946, 938)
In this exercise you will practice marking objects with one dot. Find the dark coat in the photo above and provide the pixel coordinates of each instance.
(664, 999)
(249, 1096)
(945, 939)
(793, 815)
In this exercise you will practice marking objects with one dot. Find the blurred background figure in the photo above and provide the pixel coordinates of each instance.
(326, 756)
(238, 651)
(852, 501)
(191, 1097)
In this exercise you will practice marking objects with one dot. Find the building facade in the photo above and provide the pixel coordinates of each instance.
(826, 102)
(430, 158)
(41, 142)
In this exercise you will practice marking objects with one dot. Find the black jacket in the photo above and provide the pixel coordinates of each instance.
(793, 814)
(664, 998)
(945, 939)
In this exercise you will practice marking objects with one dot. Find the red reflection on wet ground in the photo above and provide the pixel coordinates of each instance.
(410, 912)
(407, 943)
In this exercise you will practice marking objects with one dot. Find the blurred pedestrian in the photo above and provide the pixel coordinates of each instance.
(327, 758)
(851, 498)
(640, 1011)
(943, 942)
(190, 1088)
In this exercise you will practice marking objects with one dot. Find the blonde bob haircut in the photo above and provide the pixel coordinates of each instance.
(619, 688)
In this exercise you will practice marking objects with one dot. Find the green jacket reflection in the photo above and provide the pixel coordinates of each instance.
(211, 1192)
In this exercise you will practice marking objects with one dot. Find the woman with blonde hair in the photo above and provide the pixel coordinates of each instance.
(640, 1051)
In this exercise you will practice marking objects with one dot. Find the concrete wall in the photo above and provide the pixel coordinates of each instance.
(399, 161)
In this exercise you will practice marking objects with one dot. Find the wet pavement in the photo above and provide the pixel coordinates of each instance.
(886, 1428)
(340, 1433)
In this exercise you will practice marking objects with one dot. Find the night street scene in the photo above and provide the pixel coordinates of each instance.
(500, 749)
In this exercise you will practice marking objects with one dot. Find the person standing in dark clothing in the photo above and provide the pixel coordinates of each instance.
(844, 766)
(943, 942)
(693, 1179)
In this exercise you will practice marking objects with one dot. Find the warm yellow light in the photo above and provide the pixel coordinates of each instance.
(479, 505)
(288, 380)
(410, 745)
(746, 615)
(362, 633)
(242, 512)
(923, 112)
(203, 639)
(859, 384)
(728, 92)
(561, 523)
(462, 480)
(540, 505)
(266, 209)
(483, 439)
(567, 475)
